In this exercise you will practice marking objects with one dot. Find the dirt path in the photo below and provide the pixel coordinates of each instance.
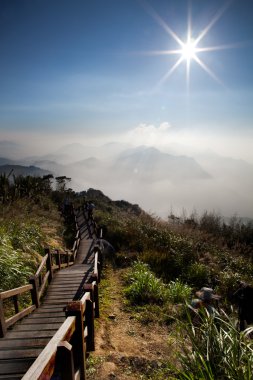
(125, 349)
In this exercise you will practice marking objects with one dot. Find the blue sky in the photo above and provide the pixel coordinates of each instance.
(85, 68)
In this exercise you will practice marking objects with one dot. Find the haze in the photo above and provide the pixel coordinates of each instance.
(100, 90)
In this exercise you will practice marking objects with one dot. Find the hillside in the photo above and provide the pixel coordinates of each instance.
(20, 170)
(155, 267)
(126, 348)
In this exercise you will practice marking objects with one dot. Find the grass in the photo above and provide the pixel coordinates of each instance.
(172, 260)
(196, 254)
(211, 347)
(215, 349)
(25, 230)
(144, 287)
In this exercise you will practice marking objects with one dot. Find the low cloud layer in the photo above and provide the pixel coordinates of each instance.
(157, 166)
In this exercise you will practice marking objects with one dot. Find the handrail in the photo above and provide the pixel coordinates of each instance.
(15, 291)
(42, 264)
(66, 351)
(38, 284)
(65, 355)
(5, 323)
(42, 367)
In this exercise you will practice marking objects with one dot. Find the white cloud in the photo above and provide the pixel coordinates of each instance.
(149, 134)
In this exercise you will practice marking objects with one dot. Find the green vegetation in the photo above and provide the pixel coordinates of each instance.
(168, 262)
(177, 250)
(216, 350)
(19, 248)
(145, 288)
(29, 222)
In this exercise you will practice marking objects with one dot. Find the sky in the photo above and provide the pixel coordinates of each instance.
(116, 70)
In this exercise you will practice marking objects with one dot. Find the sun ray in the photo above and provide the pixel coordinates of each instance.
(206, 68)
(213, 21)
(149, 9)
(171, 70)
(188, 50)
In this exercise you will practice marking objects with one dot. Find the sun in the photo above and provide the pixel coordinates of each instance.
(188, 50)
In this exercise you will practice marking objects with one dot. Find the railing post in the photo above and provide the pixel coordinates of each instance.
(3, 328)
(35, 292)
(49, 264)
(64, 362)
(58, 258)
(15, 302)
(93, 290)
(89, 322)
(67, 253)
(76, 309)
(96, 300)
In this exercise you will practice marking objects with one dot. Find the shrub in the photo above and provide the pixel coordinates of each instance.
(144, 287)
(217, 350)
(197, 275)
(13, 271)
(178, 292)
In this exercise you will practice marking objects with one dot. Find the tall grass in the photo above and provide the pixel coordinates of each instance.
(145, 288)
(19, 254)
(215, 349)
(25, 229)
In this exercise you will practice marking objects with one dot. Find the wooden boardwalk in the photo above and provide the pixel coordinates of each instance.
(25, 341)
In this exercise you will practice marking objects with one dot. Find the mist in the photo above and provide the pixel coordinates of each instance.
(160, 168)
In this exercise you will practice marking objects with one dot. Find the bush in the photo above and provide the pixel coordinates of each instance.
(197, 275)
(13, 271)
(144, 286)
(217, 350)
(178, 292)
(19, 247)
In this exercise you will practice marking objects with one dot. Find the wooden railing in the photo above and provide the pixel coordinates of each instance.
(52, 261)
(13, 293)
(64, 356)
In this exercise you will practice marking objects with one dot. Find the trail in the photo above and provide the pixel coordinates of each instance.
(125, 348)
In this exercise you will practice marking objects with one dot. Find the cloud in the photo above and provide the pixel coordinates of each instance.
(149, 134)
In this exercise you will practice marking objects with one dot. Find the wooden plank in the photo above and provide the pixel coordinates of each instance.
(61, 291)
(13, 292)
(56, 310)
(42, 314)
(47, 355)
(21, 314)
(20, 354)
(43, 285)
(30, 321)
(16, 376)
(38, 327)
(29, 334)
(32, 342)
(54, 303)
(60, 295)
(42, 264)
(8, 367)
(73, 281)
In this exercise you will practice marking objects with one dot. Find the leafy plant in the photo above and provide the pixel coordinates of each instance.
(144, 286)
(178, 292)
(215, 349)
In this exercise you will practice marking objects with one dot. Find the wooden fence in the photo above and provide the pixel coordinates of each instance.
(64, 357)
(52, 261)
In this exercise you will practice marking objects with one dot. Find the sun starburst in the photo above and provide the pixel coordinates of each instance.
(187, 50)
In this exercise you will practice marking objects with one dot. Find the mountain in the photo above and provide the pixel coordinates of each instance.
(6, 161)
(149, 163)
(23, 170)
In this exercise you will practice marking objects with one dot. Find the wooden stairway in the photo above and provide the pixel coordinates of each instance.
(25, 341)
